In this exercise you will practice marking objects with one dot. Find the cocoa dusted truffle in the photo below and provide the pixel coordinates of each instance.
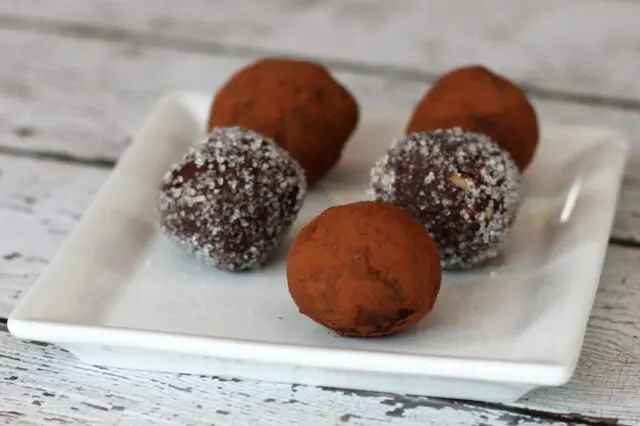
(231, 200)
(460, 185)
(364, 269)
(479, 100)
(296, 103)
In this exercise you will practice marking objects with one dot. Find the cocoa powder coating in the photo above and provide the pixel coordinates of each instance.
(479, 100)
(297, 103)
(364, 269)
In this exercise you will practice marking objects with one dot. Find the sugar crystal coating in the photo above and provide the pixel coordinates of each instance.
(232, 199)
(460, 185)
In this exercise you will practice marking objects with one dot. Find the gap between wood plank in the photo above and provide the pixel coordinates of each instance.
(412, 400)
(81, 30)
(107, 163)
(58, 157)
(624, 242)
(572, 417)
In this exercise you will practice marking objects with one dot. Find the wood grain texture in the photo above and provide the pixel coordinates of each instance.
(627, 223)
(39, 204)
(79, 77)
(587, 47)
(43, 384)
(607, 379)
(84, 100)
(40, 201)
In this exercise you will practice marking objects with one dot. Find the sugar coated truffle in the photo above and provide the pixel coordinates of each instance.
(477, 99)
(232, 199)
(364, 269)
(297, 103)
(461, 186)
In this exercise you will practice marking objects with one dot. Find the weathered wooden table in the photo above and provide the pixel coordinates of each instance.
(78, 77)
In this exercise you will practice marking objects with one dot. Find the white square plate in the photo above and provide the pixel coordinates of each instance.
(119, 294)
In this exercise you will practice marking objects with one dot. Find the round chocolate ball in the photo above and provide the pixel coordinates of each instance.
(364, 269)
(232, 199)
(462, 186)
(297, 103)
(477, 99)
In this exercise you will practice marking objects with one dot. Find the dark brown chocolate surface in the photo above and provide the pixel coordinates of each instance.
(460, 185)
(232, 199)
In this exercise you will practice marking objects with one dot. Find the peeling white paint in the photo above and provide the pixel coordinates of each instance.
(79, 94)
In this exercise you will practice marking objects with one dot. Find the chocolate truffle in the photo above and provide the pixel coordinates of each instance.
(294, 102)
(232, 198)
(460, 185)
(364, 269)
(479, 100)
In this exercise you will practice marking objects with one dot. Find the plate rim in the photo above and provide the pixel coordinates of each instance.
(509, 371)
(361, 360)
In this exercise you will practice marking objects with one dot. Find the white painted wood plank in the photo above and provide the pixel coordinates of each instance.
(44, 384)
(40, 201)
(607, 380)
(86, 97)
(589, 46)
(627, 222)
(39, 204)
(78, 135)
